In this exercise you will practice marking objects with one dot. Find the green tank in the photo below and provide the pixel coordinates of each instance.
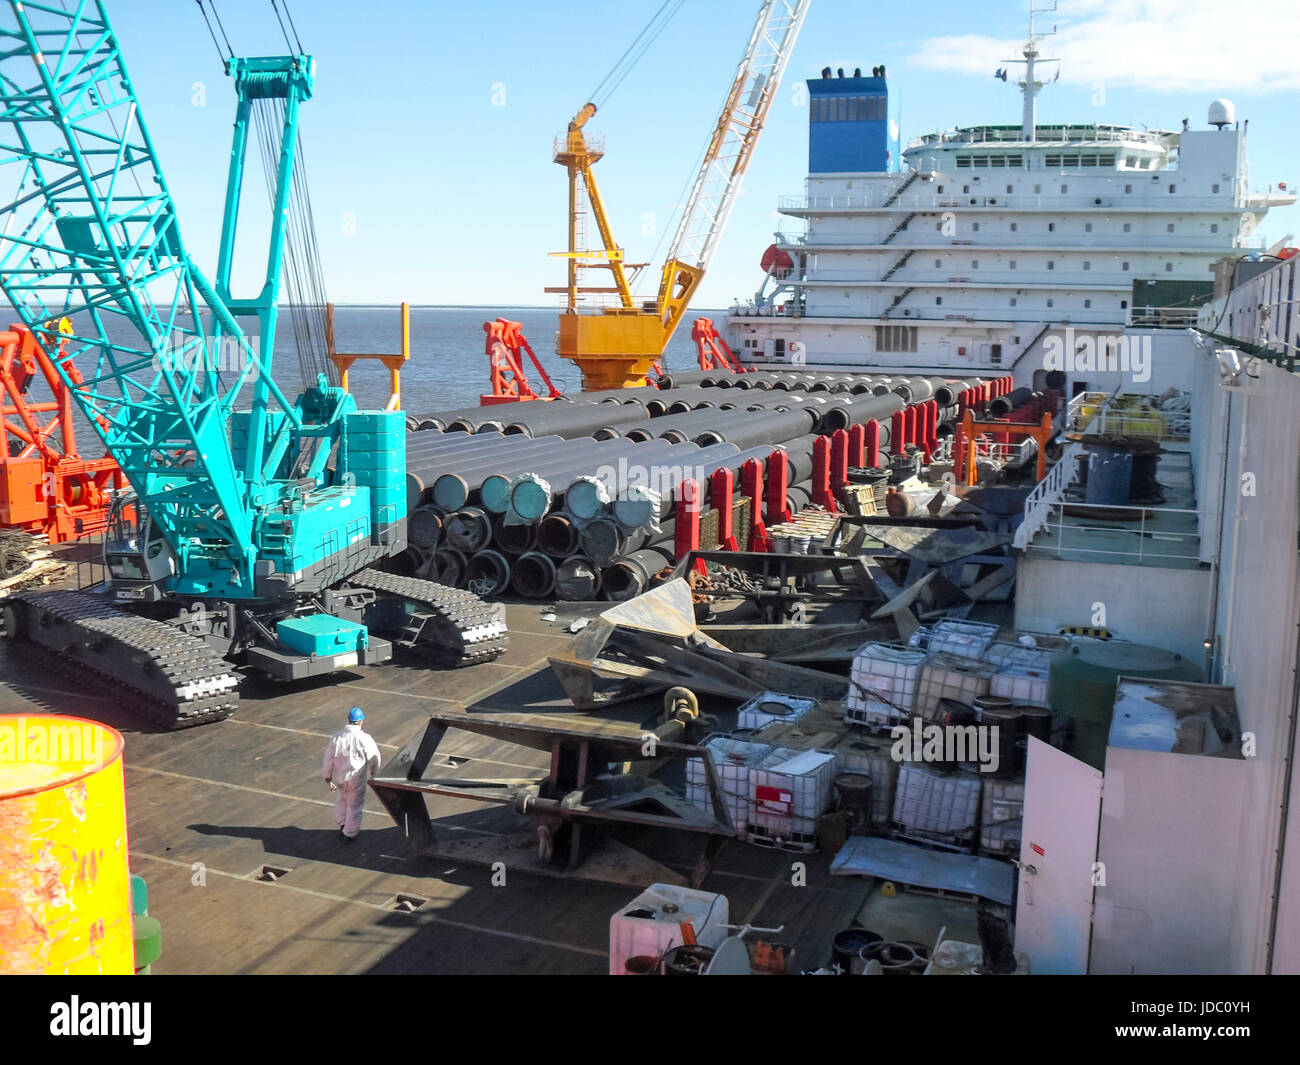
(1083, 679)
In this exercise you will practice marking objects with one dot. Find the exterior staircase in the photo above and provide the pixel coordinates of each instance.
(900, 227)
(902, 295)
(1043, 328)
(893, 196)
(902, 261)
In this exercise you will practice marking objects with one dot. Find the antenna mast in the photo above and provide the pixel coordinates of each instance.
(1030, 85)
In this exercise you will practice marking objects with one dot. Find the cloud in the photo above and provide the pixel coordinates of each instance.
(1161, 45)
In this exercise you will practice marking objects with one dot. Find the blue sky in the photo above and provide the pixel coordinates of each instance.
(429, 139)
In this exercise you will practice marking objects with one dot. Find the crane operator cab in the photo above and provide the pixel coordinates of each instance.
(137, 555)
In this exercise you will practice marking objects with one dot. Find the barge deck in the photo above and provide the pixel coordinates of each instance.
(208, 808)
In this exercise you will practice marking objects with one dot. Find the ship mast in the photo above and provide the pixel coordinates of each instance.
(1030, 85)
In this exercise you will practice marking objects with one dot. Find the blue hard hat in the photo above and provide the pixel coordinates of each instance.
(355, 715)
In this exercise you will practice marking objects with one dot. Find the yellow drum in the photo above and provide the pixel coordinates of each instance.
(65, 893)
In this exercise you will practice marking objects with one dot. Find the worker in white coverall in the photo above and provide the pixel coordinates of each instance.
(351, 759)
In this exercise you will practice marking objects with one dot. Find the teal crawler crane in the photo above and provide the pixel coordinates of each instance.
(256, 521)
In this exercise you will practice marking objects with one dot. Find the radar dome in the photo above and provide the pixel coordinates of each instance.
(1222, 113)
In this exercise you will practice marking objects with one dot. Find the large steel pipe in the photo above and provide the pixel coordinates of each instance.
(678, 429)
(557, 536)
(649, 498)
(442, 418)
(628, 577)
(748, 428)
(1004, 405)
(468, 529)
(533, 575)
(449, 566)
(686, 404)
(690, 377)
(946, 393)
(919, 389)
(844, 413)
(483, 423)
(609, 395)
(461, 448)
(487, 573)
(573, 420)
(424, 526)
(577, 580)
(799, 457)
(776, 400)
(467, 454)
(517, 539)
(437, 440)
(602, 541)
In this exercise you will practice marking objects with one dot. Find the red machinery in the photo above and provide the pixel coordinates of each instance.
(45, 485)
(713, 351)
(506, 346)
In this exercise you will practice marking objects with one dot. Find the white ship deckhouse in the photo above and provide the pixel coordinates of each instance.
(988, 239)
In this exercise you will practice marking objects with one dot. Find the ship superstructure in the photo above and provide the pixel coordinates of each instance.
(987, 239)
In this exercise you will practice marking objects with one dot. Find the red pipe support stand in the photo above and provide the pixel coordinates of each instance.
(839, 460)
(821, 473)
(857, 445)
(686, 528)
(722, 490)
(751, 484)
(871, 444)
(778, 486)
(897, 430)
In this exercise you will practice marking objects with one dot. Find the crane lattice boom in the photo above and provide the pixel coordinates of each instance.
(732, 144)
(616, 346)
(91, 235)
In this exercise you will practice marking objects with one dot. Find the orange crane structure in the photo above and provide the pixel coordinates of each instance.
(46, 487)
(613, 339)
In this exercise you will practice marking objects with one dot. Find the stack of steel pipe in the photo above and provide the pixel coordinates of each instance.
(522, 496)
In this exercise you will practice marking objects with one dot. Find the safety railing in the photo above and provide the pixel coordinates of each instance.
(1164, 317)
(1086, 201)
(1142, 530)
(1104, 414)
(1043, 135)
(1014, 452)
(1050, 491)
(1046, 495)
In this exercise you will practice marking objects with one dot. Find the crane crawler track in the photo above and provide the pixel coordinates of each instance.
(173, 678)
(448, 626)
